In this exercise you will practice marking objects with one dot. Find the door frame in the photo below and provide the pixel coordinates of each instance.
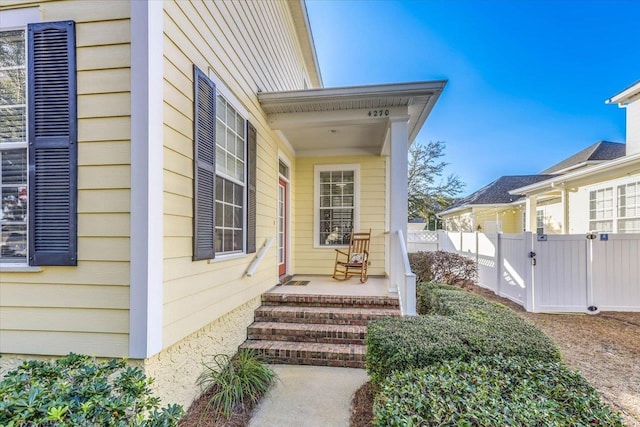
(282, 157)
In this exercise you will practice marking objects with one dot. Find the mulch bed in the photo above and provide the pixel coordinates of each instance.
(199, 416)
(605, 348)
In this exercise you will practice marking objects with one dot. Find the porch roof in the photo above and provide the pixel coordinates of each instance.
(620, 167)
(348, 120)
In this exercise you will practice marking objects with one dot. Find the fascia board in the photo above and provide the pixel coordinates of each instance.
(414, 89)
(596, 170)
(626, 95)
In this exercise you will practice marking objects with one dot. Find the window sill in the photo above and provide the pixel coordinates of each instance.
(330, 246)
(222, 258)
(19, 268)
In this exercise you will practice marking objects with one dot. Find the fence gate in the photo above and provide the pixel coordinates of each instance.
(561, 276)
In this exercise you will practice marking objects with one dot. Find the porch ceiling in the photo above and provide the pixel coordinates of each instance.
(348, 120)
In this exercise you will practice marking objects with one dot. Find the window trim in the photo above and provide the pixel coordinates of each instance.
(355, 167)
(540, 217)
(19, 22)
(222, 90)
(235, 181)
(619, 218)
(614, 206)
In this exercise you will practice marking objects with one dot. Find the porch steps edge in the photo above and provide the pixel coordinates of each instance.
(306, 353)
(321, 315)
(304, 332)
(315, 300)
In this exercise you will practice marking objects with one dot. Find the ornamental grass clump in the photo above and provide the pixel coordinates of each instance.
(78, 390)
(491, 391)
(235, 383)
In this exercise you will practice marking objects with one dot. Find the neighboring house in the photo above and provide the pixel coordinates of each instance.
(491, 209)
(150, 150)
(596, 189)
(602, 197)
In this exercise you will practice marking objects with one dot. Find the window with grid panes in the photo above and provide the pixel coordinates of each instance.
(230, 178)
(629, 208)
(13, 146)
(601, 210)
(540, 221)
(336, 206)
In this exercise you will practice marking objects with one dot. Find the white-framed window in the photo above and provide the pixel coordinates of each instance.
(13, 146)
(601, 210)
(283, 169)
(540, 221)
(629, 208)
(225, 166)
(231, 128)
(336, 197)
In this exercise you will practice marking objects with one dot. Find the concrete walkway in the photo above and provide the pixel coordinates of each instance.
(309, 396)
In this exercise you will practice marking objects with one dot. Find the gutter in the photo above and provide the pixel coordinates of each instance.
(601, 168)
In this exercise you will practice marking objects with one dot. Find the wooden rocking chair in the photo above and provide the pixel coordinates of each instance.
(355, 260)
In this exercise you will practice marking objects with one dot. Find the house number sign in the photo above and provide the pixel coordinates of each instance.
(378, 113)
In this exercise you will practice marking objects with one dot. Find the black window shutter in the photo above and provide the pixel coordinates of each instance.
(53, 148)
(252, 142)
(204, 197)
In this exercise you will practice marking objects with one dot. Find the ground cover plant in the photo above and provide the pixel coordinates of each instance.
(78, 390)
(459, 326)
(232, 387)
(491, 391)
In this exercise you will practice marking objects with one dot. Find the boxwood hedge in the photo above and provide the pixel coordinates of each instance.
(491, 391)
(460, 326)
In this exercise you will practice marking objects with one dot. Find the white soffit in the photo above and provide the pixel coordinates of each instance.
(352, 120)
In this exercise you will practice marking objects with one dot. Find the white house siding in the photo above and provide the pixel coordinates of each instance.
(552, 213)
(633, 127)
(84, 309)
(579, 202)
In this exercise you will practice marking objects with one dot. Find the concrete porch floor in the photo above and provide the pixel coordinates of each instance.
(326, 285)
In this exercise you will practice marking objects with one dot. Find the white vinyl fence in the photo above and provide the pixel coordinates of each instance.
(551, 273)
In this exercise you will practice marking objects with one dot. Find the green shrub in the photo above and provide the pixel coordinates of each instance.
(492, 391)
(461, 327)
(428, 301)
(77, 390)
(235, 381)
(443, 267)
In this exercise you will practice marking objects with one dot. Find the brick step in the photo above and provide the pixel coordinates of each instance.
(330, 300)
(307, 353)
(321, 315)
(306, 332)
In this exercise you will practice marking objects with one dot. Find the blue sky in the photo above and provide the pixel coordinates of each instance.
(527, 79)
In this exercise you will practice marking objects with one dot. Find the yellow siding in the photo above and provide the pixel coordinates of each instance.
(250, 46)
(458, 221)
(510, 217)
(310, 260)
(85, 308)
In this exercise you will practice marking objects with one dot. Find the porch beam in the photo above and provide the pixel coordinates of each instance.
(280, 121)
(531, 207)
(564, 204)
(399, 159)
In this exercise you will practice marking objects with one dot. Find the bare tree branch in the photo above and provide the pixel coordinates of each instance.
(429, 192)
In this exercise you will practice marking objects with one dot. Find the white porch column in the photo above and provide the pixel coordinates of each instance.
(531, 207)
(564, 203)
(145, 306)
(398, 194)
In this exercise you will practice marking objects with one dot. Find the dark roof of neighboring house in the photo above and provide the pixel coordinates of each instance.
(603, 150)
(498, 191)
